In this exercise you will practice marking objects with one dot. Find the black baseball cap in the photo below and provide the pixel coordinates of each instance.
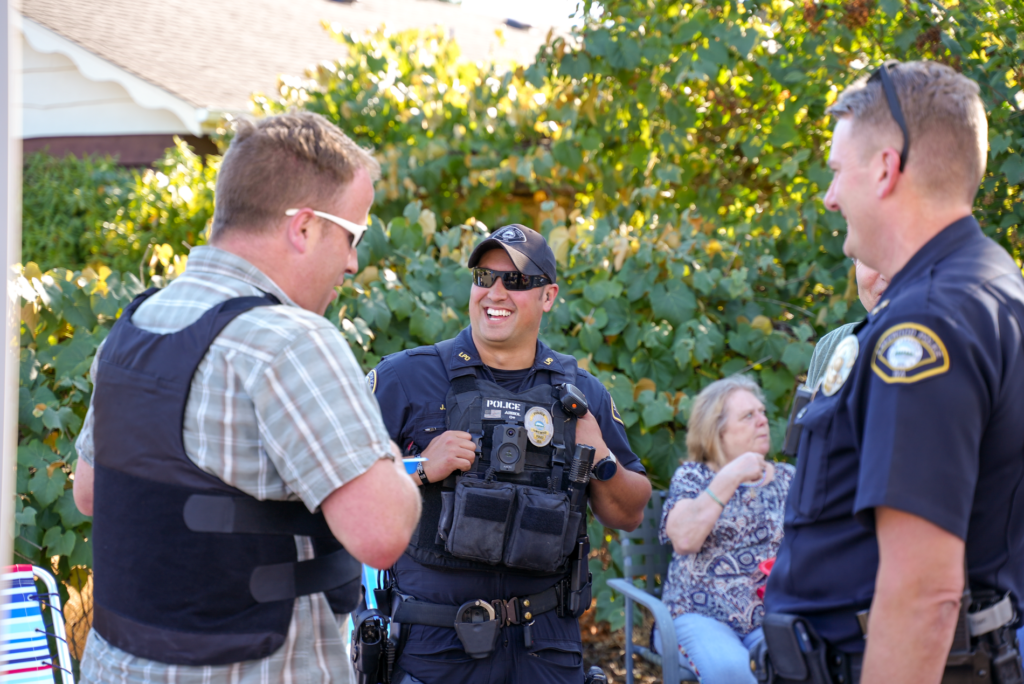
(527, 249)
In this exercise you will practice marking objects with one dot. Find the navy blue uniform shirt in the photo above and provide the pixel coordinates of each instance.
(928, 422)
(411, 387)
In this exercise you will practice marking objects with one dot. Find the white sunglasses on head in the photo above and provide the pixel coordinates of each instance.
(356, 229)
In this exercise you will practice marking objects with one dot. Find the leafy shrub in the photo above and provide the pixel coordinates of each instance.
(78, 212)
(63, 200)
(65, 315)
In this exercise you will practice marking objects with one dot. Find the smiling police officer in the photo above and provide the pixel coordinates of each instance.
(495, 578)
(911, 457)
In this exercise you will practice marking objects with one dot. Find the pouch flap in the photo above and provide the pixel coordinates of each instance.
(788, 658)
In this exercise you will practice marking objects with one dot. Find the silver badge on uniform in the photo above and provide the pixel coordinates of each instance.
(539, 426)
(840, 365)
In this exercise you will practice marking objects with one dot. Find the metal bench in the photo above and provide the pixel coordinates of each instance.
(646, 557)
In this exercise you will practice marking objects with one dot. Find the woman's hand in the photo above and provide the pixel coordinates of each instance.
(748, 467)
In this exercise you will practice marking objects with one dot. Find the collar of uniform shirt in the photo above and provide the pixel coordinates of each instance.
(209, 260)
(465, 354)
(951, 237)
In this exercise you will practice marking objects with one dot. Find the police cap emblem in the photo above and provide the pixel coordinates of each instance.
(840, 365)
(909, 352)
(511, 234)
(539, 426)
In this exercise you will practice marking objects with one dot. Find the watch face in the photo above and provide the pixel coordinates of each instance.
(605, 470)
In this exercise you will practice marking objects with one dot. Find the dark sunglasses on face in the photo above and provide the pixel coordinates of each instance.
(511, 280)
(882, 74)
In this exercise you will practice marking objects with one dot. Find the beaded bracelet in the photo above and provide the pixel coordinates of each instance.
(759, 483)
(713, 497)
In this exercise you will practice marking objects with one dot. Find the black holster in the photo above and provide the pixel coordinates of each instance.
(993, 658)
(575, 591)
(370, 647)
(793, 653)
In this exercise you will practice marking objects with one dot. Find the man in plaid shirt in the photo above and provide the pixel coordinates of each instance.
(227, 390)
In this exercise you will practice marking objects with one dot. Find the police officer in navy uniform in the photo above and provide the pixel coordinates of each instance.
(911, 455)
(453, 404)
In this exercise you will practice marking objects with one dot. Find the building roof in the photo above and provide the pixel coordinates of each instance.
(214, 54)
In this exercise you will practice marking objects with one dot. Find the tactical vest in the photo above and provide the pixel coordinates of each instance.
(510, 511)
(187, 569)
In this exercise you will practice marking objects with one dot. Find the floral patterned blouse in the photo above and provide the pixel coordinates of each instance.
(721, 580)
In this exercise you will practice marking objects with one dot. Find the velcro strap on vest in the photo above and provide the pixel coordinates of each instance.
(285, 581)
(991, 618)
(511, 611)
(245, 515)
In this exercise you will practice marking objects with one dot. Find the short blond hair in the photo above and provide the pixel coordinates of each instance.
(945, 117)
(283, 162)
(707, 418)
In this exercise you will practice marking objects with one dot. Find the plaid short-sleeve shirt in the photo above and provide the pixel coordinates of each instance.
(279, 409)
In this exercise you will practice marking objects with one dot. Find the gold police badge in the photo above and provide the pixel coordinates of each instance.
(840, 365)
(539, 426)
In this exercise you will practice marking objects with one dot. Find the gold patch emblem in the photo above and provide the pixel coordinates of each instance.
(464, 356)
(840, 365)
(909, 352)
(539, 426)
(547, 361)
(371, 381)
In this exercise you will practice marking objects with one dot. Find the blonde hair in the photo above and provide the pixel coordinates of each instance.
(283, 162)
(945, 118)
(707, 418)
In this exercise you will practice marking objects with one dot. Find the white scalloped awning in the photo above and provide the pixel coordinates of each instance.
(95, 68)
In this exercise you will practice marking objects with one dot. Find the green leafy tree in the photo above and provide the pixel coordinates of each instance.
(78, 212)
(64, 199)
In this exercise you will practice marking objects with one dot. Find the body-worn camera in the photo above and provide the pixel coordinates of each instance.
(508, 453)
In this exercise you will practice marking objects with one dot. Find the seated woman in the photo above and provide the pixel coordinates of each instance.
(723, 516)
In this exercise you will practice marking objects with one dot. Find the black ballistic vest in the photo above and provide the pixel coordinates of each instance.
(187, 569)
(489, 518)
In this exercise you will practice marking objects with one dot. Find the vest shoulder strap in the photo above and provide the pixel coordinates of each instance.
(569, 366)
(445, 349)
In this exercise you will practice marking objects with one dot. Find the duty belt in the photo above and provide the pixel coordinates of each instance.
(476, 633)
(978, 623)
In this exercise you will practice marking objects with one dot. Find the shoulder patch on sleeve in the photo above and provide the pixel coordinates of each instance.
(615, 412)
(371, 381)
(909, 352)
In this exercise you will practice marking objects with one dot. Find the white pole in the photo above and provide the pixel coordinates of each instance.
(10, 254)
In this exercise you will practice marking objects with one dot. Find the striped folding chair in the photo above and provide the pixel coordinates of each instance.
(25, 656)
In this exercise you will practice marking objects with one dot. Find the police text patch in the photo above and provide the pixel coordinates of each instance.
(371, 381)
(909, 352)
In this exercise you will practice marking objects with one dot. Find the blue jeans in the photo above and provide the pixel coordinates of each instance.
(715, 653)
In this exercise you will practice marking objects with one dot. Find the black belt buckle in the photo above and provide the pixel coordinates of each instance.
(477, 628)
(506, 612)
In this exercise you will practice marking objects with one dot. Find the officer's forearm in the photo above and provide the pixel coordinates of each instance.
(917, 599)
(619, 502)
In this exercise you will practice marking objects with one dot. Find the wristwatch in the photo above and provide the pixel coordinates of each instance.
(422, 473)
(605, 469)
